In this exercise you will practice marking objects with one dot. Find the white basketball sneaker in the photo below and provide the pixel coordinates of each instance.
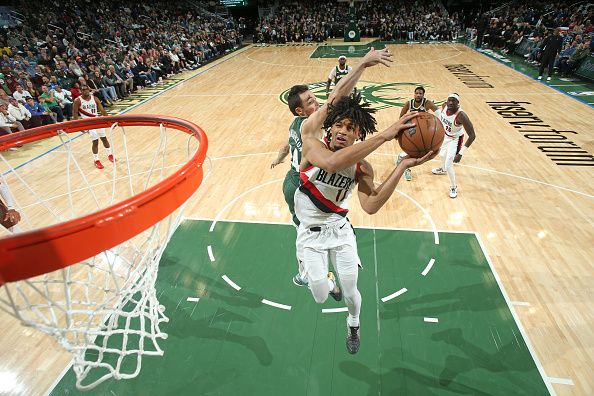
(438, 171)
(453, 192)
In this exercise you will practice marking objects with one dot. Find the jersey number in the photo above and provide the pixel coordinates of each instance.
(342, 192)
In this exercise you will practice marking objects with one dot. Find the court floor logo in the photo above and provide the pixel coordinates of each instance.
(378, 95)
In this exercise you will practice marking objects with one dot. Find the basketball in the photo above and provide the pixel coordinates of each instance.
(426, 135)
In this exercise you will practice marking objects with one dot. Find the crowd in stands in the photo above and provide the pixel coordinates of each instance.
(306, 21)
(390, 20)
(115, 48)
(523, 29)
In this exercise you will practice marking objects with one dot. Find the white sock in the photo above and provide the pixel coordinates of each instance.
(108, 149)
(96, 157)
(452, 176)
(353, 321)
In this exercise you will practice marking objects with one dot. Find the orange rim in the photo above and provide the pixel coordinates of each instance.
(51, 248)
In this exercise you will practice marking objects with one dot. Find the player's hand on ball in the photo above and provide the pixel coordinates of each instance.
(402, 124)
(409, 162)
(373, 57)
(457, 158)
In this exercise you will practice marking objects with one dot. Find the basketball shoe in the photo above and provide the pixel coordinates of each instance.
(299, 280)
(98, 164)
(353, 340)
(438, 171)
(110, 158)
(453, 192)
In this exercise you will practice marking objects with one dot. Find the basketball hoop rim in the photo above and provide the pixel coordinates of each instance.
(51, 248)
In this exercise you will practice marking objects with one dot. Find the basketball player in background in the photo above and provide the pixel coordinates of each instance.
(11, 216)
(455, 122)
(86, 106)
(418, 103)
(330, 169)
(306, 109)
(337, 73)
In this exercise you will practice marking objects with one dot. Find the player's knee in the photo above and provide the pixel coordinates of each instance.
(319, 290)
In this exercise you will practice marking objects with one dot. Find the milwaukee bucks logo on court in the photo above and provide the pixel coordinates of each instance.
(379, 95)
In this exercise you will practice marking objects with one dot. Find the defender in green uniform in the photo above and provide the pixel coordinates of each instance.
(307, 111)
(337, 73)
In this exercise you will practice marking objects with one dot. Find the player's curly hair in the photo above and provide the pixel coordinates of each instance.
(361, 114)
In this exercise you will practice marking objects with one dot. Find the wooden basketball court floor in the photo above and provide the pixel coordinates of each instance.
(505, 309)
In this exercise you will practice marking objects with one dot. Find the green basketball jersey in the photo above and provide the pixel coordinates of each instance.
(295, 142)
(341, 73)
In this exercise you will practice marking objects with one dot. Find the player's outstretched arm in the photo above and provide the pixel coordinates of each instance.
(317, 154)
(282, 154)
(344, 87)
(373, 197)
(469, 128)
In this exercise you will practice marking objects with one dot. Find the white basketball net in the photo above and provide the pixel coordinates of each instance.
(104, 310)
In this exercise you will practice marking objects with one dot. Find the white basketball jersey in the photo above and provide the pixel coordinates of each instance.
(452, 128)
(88, 108)
(322, 197)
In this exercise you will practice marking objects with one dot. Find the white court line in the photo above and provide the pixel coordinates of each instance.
(428, 267)
(277, 305)
(214, 223)
(561, 381)
(431, 320)
(333, 310)
(520, 303)
(192, 299)
(425, 212)
(516, 319)
(231, 283)
(210, 255)
(286, 223)
(394, 295)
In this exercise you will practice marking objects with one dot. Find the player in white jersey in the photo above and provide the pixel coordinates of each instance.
(309, 118)
(418, 104)
(86, 106)
(329, 172)
(455, 122)
(337, 73)
(11, 215)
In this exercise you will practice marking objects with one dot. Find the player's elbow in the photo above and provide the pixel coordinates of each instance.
(370, 209)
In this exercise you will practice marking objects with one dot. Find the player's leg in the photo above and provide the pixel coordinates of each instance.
(315, 262)
(290, 185)
(101, 134)
(95, 148)
(442, 153)
(407, 172)
(452, 150)
(346, 262)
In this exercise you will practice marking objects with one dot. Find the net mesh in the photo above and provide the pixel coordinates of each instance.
(104, 310)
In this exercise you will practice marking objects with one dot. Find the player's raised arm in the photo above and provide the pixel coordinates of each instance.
(344, 88)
